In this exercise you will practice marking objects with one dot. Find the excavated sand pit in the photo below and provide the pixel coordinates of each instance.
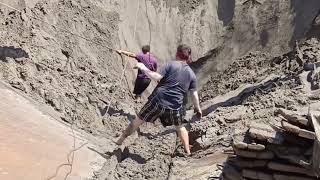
(245, 61)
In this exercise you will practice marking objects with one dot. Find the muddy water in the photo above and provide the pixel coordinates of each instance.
(32, 145)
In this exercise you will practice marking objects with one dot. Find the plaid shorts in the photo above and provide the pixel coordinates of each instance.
(168, 117)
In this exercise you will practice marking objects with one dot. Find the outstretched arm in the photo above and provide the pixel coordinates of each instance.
(196, 103)
(127, 53)
(151, 74)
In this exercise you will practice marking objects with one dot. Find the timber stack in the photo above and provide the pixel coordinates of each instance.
(286, 151)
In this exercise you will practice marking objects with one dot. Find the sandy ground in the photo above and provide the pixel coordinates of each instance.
(33, 144)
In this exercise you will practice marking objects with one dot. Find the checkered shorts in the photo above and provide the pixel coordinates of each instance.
(168, 117)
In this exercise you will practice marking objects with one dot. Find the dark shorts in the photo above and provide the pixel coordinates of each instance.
(168, 117)
(141, 85)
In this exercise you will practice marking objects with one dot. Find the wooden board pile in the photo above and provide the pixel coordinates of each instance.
(275, 152)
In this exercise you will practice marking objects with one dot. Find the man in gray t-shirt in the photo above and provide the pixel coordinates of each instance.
(176, 79)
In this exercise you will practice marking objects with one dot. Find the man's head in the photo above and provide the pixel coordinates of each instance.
(184, 53)
(145, 49)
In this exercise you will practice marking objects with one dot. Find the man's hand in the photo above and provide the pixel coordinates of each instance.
(196, 104)
(119, 51)
(127, 53)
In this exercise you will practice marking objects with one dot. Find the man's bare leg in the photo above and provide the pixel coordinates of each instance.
(132, 127)
(184, 137)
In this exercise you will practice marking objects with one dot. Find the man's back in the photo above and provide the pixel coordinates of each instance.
(178, 78)
(149, 61)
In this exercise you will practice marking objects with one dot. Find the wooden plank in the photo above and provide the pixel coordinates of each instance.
(290, 177)
(232, 173)
(276, 166)
(298, 131)
(256, 147)
(259, 175)
(254, 154)
(292, 116)
(316, 146)
(289, 127)
(249, 163)
(307, 134)
(287, 154)
(273, 136)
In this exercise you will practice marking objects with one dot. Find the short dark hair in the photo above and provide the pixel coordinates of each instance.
(184, 51)
(145, 49)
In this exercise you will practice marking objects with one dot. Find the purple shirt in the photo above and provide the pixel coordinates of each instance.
(149, 61)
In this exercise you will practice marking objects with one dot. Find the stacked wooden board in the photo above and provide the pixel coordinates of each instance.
(289, 151)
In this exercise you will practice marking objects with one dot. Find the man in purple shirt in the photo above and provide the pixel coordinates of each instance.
(150, 61)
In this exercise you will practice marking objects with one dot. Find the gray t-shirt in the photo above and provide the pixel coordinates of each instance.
(178, 79)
